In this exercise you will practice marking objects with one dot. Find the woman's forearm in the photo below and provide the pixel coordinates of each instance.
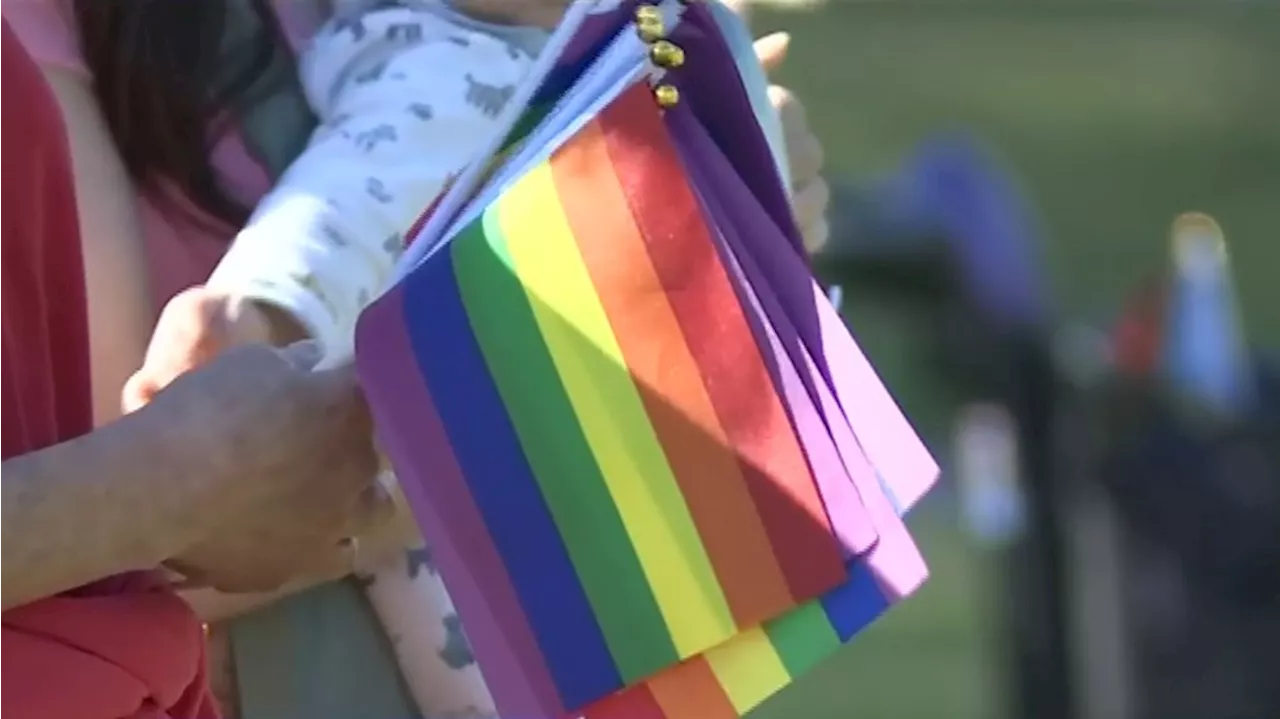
(106, 503)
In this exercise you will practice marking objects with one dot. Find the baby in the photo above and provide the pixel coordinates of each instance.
(406, 93)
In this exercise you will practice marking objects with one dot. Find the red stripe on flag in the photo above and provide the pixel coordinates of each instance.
(681, 248)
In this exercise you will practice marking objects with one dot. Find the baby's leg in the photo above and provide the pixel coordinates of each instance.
(411, 601)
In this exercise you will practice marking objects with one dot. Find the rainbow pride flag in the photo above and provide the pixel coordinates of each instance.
(737, 676)
(647, 453)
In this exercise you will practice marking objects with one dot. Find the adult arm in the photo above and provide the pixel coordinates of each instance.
(93, 507)
(238, 473)
(120, 313)
(71, 510)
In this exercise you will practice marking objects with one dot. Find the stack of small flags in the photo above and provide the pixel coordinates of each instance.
(660, 478)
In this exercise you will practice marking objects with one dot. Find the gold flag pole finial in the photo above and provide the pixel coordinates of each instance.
(668, 96)
(649, 23)
(662, 52)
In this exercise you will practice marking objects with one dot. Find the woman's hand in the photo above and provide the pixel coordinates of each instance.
(291, 466)
(809, 191)
(242, 473)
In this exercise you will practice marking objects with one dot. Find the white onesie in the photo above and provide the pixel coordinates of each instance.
(405, 97)
(406, 94)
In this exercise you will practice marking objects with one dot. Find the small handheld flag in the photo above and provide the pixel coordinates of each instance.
(655, 470)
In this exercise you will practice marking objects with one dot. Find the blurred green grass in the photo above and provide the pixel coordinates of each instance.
(1116, 116)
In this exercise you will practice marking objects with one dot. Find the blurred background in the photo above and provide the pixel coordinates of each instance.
(1087, 126)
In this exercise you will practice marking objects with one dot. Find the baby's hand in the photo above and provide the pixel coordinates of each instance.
(196, 326)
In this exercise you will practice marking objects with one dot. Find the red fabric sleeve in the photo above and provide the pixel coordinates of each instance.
(46, 391)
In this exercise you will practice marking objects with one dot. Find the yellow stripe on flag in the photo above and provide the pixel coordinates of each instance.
(749, 669)
(604, 397)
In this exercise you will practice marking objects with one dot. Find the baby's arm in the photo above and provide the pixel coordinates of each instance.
(405, 101)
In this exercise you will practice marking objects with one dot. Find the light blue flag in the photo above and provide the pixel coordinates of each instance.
(1205, 356)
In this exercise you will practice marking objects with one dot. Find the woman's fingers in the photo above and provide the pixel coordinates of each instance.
(804, 150)
(740, 8)
(810, 204)
(790, 111)
(807, 159)
(810, 193)
(771, 50)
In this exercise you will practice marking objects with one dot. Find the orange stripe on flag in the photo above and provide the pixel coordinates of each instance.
(691, 690)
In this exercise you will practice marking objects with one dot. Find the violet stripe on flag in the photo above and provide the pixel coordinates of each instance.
(411, 433)
(501, 482)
